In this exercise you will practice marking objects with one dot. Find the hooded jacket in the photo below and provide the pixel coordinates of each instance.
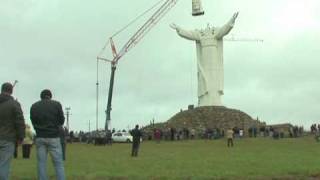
(12, 126)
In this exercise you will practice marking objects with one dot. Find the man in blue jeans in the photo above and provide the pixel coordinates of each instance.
(11, 128)
(47, 116)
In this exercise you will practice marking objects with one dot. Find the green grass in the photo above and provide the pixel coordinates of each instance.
(260, 158)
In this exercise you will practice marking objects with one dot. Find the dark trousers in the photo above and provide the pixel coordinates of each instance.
(172, 137)
(230, 142)
(135, 148)
(15, 154)
(63, 146)
(26, 149)
(109, 141)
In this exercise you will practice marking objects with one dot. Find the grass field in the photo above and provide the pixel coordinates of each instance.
(260, 158)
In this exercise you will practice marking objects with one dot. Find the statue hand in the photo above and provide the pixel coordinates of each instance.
(174, 26)
(234, 17)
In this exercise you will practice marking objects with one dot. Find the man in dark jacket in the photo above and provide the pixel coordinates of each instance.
(47, 117)
(12, 128)
(136, 135)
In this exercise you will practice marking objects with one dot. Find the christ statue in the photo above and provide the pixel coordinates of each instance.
(209, 44)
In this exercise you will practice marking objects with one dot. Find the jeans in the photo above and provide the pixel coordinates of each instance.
(6, 153)
(53, 146)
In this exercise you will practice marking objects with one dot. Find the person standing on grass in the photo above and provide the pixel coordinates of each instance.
(109, 137)
(12, 128)
(47, 117)
(317, 134)
(27, 143)
(71, 135)
(230, 137)
(241, 133)
(157, 135)
(193, 133)
(136, 134)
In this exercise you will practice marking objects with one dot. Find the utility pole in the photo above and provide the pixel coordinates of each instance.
(89, 126)
(14, 83)
(68, 113)
(97, 96)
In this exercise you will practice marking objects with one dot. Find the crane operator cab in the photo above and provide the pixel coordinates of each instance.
(197, 8)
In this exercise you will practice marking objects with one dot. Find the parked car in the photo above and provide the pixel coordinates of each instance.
(121, 137)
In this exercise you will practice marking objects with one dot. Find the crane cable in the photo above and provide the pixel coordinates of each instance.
(129, 24)
(138, 17)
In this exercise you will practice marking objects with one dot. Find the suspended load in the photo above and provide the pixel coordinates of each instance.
(197, 8)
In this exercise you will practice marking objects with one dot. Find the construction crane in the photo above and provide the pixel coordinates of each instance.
(134, 40)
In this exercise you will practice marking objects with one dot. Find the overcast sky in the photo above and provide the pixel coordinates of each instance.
(54, 43)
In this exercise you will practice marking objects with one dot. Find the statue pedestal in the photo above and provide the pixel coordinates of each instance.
(213, 117)
(210, 117)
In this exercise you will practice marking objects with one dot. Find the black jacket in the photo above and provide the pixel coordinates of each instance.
(136, 135)
(12, 126)
(47, 116)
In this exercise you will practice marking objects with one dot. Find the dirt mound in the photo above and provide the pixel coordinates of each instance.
(220, 117)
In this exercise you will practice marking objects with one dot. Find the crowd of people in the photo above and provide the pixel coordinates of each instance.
(316, 131)
(270, 131)
(173, 133)
(314, 128)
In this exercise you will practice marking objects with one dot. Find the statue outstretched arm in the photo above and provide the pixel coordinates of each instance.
(190, 35)
(224, 30)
